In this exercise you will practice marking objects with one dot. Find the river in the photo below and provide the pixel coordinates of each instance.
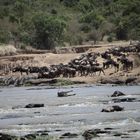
(73, 114)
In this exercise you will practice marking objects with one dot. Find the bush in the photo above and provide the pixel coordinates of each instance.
(94, 35)
(7, 50)
(4, 36)
(53, 11)
(23, 46)
(74, 39)
(110, 39)
(48, 31)
(85, 28)
(70, 3)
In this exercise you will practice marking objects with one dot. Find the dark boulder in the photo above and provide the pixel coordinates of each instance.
(43, 133)
(124, 100)
(113, 109)
(64, 93)
(69, 135)
(17, 107)
(30, 136)
(22, 138)
(7, 137)
(112, 80)
(34, 105)
(117, 93)
(89, 134)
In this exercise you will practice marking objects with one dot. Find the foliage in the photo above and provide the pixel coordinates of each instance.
(48, 30)
(4, 36)
(45, 24)
(70, 3)
(94, 35)
(63, 82)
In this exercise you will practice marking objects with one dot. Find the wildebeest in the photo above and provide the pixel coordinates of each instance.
(95, 69)
(111, 63)
(106, 55)
(127, 64)
(21, 70)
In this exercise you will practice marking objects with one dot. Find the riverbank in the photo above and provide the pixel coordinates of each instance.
(9, 78)
(34, 81)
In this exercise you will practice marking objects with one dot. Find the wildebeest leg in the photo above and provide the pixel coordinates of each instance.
(27, 72)
(116, 69)
(103, 71)
(99, 72)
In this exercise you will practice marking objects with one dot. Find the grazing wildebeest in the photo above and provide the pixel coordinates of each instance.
(111, 63)
(20, 69)
(95, 69)
(127, 64)
(105, 55)
(34, 69)
(69, 72)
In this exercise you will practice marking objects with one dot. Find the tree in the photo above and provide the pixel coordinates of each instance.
(93, 18)
(94, 35)
(48, 31)
(106, 28)
(70, 3)
(4, 36)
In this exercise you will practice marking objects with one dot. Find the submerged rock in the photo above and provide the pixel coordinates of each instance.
(124, 100)
(113, 109)
(34, 105)
(69, 135)
(7, 137)
(30, 136)
(64, 93)
(89, 134)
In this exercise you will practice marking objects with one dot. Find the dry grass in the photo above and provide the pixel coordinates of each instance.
(137, 60)
(7, 50)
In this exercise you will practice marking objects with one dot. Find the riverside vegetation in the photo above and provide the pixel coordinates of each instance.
(47, 24)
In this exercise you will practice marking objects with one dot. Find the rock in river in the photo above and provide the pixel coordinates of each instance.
(89, 134)
(124, 100)
(113, 109)
(34, 105)
(117, 93)
(7, 137)
(64, 94)
(69, 135)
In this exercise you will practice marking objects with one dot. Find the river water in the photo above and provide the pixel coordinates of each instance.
(73, 114)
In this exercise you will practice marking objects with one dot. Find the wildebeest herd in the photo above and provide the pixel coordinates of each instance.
(86, 65)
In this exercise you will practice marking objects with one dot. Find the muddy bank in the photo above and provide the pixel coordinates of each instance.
(34, 81)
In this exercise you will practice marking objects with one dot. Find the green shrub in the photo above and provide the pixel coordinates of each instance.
(85, 28)
(70, 3)
(53, 11)
(48, 31)
(110, 39)
(4, 36)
